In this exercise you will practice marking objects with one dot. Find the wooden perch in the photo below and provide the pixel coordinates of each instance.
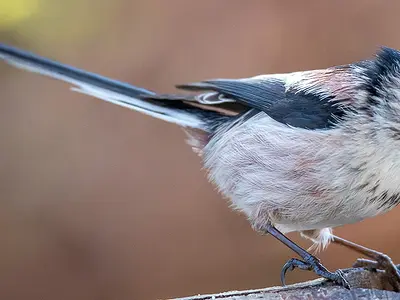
(365, 285)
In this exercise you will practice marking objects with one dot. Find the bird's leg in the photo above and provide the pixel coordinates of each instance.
(379, 260)
(309, 261)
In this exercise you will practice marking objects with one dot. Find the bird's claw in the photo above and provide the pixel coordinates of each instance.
(382, 262)
(291, 264)
(312, 263)
(340, 279)
(368, 264)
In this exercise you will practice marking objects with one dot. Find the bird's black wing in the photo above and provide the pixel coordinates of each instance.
(311, 100)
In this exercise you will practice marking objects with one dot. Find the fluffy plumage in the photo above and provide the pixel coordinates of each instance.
(305, 151)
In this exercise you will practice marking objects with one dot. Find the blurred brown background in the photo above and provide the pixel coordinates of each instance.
(99, 202)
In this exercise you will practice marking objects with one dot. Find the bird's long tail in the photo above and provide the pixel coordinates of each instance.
(110, 90)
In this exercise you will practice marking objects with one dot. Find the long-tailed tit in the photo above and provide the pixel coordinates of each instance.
(304, 151)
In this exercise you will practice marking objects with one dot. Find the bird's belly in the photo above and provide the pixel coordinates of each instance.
(301, 180)
(307, 213)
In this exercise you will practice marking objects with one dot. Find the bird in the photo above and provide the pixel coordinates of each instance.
(305, 151)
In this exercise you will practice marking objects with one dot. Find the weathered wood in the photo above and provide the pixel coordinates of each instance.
(365, 285)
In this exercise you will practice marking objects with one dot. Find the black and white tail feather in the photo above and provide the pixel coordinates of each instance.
(189, 111)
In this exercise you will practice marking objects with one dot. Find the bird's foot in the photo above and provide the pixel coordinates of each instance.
(381, 262)
(311, 263)
(377, 261)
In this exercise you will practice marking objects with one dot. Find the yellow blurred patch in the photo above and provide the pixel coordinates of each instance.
(13, 12)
